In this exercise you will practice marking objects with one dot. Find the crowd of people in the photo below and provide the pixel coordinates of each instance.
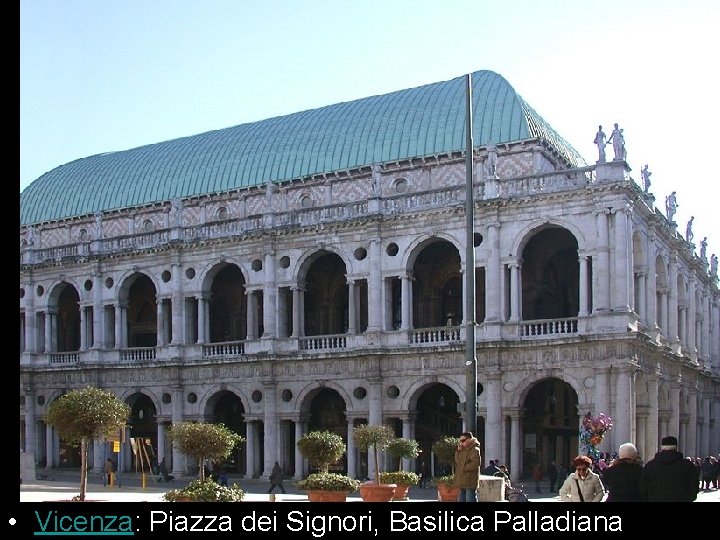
(618, 477)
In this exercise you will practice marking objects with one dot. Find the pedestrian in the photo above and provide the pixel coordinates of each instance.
(108, 472)
(537, 475)
(422, 473)
(583, 485)
(552, 474)
(276, 478)
(622, 477)
(165, 476)
(669, 476)
(491, 469)
(467, 467)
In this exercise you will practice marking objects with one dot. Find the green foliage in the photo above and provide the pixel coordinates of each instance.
(403, 448)
(204, 441)
(88, 413)
(445, 448)
(326, 481)
(444, 480)
(377, 437)
(321, 448)
(404, 478)
(206, 490)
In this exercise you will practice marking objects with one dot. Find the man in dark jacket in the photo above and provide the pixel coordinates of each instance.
(669, 477)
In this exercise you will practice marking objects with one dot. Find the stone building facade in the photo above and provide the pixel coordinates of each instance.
(330, 299)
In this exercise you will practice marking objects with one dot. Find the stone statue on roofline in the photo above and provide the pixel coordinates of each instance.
(671, 206)
(714, 266)
(689, 235)
(601, 141)
(491, 163)
(703, 250)
(645, 178)
(618, 141)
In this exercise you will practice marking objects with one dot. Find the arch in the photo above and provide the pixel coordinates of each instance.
(550, 274)
(524, 235)
(326, 298)
(305, 261)
(306, 394)
(207, 274)
(422, 241)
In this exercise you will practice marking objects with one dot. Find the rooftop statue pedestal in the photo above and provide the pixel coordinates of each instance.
(612, 171)
(491, 489)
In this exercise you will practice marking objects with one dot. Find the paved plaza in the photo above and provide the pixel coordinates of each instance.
(63, 485)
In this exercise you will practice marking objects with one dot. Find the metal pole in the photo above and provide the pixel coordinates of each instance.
(470, 357)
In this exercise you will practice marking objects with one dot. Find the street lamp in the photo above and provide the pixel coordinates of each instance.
(470, 357)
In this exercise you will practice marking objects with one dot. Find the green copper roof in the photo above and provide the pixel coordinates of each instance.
(421, 121)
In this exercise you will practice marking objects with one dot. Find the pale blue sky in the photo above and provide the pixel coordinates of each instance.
(103, 75)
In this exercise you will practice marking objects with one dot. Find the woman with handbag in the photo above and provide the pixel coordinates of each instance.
(583, 485)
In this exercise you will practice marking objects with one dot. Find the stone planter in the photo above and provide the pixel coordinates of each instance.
(326, 496)
(372, 492)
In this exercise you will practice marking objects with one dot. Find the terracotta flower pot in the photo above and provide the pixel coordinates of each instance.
(401, 492)
(447, 493)
(326, 496)
(372, 492)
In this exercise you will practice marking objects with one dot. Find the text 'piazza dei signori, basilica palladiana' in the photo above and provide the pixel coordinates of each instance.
(307, 272)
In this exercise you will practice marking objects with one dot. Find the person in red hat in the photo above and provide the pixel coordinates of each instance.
(669, 477)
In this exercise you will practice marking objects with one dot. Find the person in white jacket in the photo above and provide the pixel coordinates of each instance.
(583, 485)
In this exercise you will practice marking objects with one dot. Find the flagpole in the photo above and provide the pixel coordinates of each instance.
(470, 356)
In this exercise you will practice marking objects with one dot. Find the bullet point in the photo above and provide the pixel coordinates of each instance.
(12, 521)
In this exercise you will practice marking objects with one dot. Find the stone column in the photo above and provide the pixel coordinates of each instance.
(493, 419)
(49, 343)
(270, 297)
(704, 449)
(406, 302)
(98, 313)
(622, 282)
(251, 428)
(516, 446)
(601, 278)
(691, 317)
(351, 451)
(515, 292)
(640, 308)
(689, 447)
(178, 458)
(160, 441)
(674, 421)
(270, 422)
(601, 393)
(583, 288)
(352, 314)
(83, 329)
(624, 412)
(201, 315)
(651, 284)
(715, 333)
(31, 338)
(715, 426)
(493, 275)
(299, 462)
(672, 309)
(50, 455)
(30, 421)
(375, 417)
(251, 321)
(160, 323)
(178, 306)
(652, 438)
(408, 432)
(375, 285)
(297, 316)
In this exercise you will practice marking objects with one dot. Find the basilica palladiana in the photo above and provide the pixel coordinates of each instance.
(309, 271)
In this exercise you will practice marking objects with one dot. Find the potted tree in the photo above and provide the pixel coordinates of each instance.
(378, 438)
(321, 449)
(81, 416)
(202, 441)
(445, 449)
(400, 449)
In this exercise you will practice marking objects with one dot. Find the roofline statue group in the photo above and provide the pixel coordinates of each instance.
(618, 142)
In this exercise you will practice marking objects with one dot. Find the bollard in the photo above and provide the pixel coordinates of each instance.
(272, 497)
(112, 479)
(144, 481)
